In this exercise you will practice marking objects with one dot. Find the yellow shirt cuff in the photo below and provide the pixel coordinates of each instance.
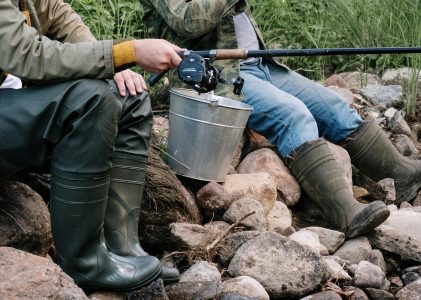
(124, 54)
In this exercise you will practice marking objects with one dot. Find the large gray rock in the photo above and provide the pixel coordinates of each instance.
(27, 276)
(399, 234)
(283, 267)
(24, 219)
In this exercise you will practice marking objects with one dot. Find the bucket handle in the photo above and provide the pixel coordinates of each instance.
(172, 157)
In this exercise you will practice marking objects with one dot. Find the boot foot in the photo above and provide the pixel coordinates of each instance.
(170, 275)
(369, 217)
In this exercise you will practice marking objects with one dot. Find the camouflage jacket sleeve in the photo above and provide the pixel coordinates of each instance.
(60, 22)
(29, 55)
(193, 18)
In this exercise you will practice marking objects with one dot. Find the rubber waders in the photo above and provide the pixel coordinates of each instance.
(123, 208)
(78, 203)
(321, 177)
(374, 155)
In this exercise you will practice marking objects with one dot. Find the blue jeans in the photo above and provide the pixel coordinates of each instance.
(290, 110)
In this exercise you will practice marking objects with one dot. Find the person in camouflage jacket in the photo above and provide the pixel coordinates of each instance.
(93, 134)
(296, 114)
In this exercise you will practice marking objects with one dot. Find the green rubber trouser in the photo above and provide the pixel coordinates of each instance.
(74, 125)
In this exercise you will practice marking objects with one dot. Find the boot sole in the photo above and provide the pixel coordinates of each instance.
(152, 277)
(369, 224)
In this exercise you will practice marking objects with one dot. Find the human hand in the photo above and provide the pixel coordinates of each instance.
(156, 55)
(131, 81)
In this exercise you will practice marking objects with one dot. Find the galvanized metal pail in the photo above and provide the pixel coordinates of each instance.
(204, 131)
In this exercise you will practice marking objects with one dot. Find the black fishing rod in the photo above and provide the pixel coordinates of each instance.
(196, 69)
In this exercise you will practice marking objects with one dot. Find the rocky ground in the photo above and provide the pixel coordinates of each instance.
(253, 236)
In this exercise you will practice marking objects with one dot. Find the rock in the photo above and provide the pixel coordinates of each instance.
(24, 219)
(309, 239)
(396, 281)
(376, 257)
(27, 276)
(410, 277)
(336, 80)
(101, 295)
(154, 291)
(188, 236)
(398, 125)
(405, 204)
(259, 186)
(376, 294)
(331, 239)
(279, 219)
(411, 292)
(193, 290)
(404, 145)
(368, 275)
(201, 271)
(328, 295)
(399, 234)
(357, 294)
(387, 95)
(233, 296)
(415, 269)
(243, 206)
(245, 286)
(213, 198)
(355, 250)
(336, 270)
(357, 80)
(232, 243)
(283, 267)
(397, 76)
(266, 160)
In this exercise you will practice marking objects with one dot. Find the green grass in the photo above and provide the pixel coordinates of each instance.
(302, 24)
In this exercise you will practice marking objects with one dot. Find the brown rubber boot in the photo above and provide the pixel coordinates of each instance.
(123, 209)
(373, 154)
(324, 181)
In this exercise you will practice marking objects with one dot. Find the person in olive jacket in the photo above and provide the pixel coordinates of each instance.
(93, 132)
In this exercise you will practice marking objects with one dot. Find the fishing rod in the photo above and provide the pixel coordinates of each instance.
(196, 67)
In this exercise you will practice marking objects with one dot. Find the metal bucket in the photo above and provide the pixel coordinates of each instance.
(204, 131)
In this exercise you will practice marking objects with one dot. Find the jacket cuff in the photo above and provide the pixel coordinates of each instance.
(108, 58)
(124, 55)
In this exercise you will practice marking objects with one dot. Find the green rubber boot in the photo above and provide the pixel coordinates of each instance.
(324, 181)
(123, 209)
(374, 155)
(78, 203)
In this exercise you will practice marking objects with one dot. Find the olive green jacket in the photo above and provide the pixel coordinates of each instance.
(57, 46)
(199, 25)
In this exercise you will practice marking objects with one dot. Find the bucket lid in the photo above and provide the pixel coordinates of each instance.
(210, 98)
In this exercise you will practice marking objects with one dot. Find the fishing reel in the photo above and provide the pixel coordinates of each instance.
(201, 75)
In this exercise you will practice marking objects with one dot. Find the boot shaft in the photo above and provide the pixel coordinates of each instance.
(373, 154)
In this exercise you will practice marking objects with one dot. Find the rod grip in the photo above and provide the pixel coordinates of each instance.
(231, 54)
